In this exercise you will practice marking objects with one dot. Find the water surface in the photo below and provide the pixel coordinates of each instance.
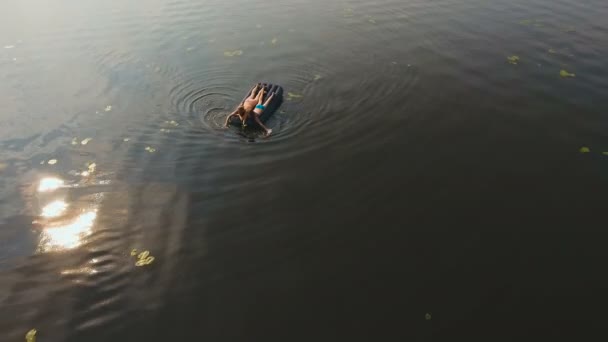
(417, 186)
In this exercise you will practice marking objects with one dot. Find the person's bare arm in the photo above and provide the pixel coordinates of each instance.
(259, 122)
(252, 92)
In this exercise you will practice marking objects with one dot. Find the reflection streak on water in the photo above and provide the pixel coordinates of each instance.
(68, 236)
(54, 209)
(71, 232)
(50, 184)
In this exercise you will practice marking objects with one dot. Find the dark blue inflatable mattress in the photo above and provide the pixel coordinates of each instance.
(270, 109)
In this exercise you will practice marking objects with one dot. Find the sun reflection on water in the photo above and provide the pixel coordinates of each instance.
(54, 209)
(50, 184)
(68, 236)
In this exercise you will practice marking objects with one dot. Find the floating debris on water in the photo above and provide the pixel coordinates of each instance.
(191, 48)
(86, 141)
(428, 316)
(317, 77)
(108, 108)
(564, 73)
(42, 162)
(143, 258)
(348, 12)
(513, 60)
(273, 41)
(126, 139)
(534, 22)
(91, 167)
(164, 130)
(293, 96)
(31, 336)
(9, 46)
(552, 51)
(74, 141)
(233, 53)
(584, 149)
(172, 123)
(150, 149)
(52, 162)
(143, 262)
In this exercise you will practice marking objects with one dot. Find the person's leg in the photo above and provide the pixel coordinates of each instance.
(260, 96)
(268, 100)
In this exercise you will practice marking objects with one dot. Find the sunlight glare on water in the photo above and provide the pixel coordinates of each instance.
(50, 184)
(67, 236)
(54, 209)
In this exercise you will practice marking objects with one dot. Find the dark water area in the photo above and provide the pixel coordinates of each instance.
(431, 176)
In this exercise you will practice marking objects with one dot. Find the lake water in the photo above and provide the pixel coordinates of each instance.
(437, 171)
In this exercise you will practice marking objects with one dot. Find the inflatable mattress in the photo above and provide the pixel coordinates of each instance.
(270, 109)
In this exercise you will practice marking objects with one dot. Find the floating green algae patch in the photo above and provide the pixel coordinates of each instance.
(348, 12)
(233, 53)
(513, 60)
(564, 73)
(144, 258)
(569, 29)
(31, 336)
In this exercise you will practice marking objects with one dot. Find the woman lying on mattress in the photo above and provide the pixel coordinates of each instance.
(252, 107)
